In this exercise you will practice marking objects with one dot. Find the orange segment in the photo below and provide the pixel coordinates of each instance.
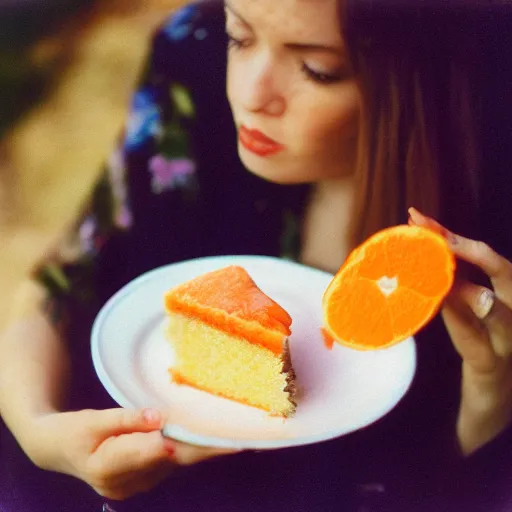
(409, 312)
(425, 265)
(389, 288)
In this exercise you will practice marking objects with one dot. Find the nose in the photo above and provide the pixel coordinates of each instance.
(262, 93)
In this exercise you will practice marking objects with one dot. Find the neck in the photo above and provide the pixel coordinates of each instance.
(337, 189)
(327, 224)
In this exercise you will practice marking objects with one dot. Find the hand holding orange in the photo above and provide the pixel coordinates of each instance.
(393, 285)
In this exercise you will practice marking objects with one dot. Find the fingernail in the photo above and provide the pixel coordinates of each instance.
(170, 447)
(485, 304)
(419, 219)
(412, 214)
(152, 416)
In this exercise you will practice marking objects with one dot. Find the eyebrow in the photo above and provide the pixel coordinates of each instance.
(291, 46)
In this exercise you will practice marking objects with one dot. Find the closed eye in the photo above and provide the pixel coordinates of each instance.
(234, 42)
(321, 78)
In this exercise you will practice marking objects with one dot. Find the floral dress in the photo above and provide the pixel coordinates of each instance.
(174, 189)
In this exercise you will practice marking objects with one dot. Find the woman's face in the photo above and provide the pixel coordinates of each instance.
(294, 105)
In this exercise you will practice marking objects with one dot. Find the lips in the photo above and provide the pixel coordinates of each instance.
(258, 143)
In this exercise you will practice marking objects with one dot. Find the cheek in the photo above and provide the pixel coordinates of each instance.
(234, 83)
(332, 120)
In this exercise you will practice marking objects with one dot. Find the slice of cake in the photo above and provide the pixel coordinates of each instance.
(231, 340)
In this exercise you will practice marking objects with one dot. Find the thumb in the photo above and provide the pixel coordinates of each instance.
(469, 338)
(115, 422)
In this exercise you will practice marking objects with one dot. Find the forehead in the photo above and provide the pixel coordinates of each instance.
(305, 19)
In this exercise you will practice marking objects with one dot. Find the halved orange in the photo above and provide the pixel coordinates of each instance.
(390, 287)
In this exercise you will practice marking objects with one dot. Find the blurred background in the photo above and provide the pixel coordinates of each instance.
(67, 71)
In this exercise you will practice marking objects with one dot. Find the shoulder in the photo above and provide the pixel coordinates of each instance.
(187, 20)
(190, 39)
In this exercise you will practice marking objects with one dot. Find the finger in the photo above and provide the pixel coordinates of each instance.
(498, 268)
(136, 452)
(153, 478)
(479, 299)
(135, 483)
(114, 422)
(186, 454)
(114, 476)
(140, 482)
(492, 314)
(180, 454)
(418, 219)
(469, 336)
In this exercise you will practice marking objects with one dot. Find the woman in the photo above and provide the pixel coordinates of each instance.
(359, 123)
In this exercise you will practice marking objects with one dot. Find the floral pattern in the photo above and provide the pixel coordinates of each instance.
(181, 24)
(170, 169)
(144, 120)
(116, 169)
(182, 101)
(169, 174)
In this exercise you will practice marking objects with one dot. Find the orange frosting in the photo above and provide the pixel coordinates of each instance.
(229, 300)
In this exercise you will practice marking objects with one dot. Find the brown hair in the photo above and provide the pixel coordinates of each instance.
(417, 144)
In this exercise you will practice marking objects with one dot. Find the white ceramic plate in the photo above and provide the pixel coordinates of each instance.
(341, 390)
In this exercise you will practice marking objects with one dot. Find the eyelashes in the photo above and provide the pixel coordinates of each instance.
(235, 43)
(321, 78)
(318, 77)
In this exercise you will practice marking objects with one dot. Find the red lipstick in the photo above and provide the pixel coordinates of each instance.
(258, 143)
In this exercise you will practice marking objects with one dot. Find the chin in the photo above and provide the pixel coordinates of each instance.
(273, 171)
